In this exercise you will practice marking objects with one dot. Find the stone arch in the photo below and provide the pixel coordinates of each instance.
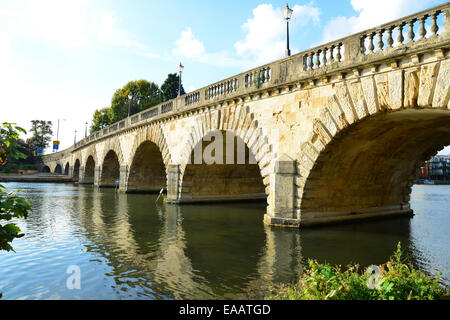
(368, 142)
(76, 169)
(89, 170)
(112, 145)
(58, 169)
(149, 162)
(110, 169)
(66, 168)
(242, 123)
(46, 169)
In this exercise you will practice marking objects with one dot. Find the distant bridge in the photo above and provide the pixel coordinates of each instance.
(336, 132)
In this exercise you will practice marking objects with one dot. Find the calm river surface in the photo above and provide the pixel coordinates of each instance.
(128, 247)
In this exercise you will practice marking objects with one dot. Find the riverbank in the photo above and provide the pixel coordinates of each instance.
(36, 177)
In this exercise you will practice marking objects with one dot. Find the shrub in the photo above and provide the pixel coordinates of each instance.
(394, 280)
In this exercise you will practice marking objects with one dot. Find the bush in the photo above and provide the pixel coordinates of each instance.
(394, 280)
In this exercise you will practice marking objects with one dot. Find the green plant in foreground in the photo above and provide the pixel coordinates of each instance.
(397, 280)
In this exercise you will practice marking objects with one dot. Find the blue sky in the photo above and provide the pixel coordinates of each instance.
(64, 59)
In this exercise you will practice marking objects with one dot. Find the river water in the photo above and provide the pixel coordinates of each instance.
(126, 246)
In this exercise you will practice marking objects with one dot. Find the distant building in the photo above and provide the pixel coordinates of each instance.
(437, 168)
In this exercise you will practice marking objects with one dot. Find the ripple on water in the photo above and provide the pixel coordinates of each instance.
(128, 248)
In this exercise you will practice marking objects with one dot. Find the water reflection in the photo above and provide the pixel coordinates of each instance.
(129, 247)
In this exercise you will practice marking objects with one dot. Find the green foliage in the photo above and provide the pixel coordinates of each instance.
(144, 95)
(102, 118)
(42, 134)
(9, 141)
(398, 280)
(11, 205)
(170, 87)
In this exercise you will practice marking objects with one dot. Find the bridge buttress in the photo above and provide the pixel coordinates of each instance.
(281, 210)
(97, 175)
(81, 175)
(173, 180)
(123, 178)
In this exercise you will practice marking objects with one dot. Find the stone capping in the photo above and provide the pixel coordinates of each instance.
(288, 73)
(285, 165)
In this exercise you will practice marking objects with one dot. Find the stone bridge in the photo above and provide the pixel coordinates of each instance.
(333, 133)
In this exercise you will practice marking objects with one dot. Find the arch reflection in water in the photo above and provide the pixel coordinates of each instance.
(128, 247)
(195, 252)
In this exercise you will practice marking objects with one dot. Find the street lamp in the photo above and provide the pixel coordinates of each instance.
(129, 103)
(85, 129)
(287, 12)
(57, 130)
(75, 138)
(180, 69)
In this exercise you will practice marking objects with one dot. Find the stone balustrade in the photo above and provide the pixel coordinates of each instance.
(399, 32)
(222, 88)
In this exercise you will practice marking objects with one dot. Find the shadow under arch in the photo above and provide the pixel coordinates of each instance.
(368, 168)
(66, 169)
(46, 169)
(76, 170)
(221, 168)
(58, 169)
(89, 170)
(110, 169)
(147, 170)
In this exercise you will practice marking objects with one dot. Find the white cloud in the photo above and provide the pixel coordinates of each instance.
(266, 31)
(264, 40)
(370, 14)
(189, 46)
(66, 24)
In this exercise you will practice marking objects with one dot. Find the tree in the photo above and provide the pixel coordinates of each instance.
(42, 134)
(9, 142)
(101, 119)
(144, 95)
(170, 87)
(11, 205)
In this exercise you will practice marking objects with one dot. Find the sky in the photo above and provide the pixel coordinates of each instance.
(64, 59)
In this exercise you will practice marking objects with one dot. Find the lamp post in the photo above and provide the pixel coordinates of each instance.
(180, 70)
(57, 130)
(129, 103)
(287, 12)
(75, 138)
(85, 129)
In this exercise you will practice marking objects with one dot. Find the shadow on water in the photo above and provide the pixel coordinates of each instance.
(129, 247)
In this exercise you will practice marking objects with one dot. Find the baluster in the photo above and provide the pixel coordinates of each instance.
(411, 34)
(338, 55)
(434, 26)
(400, 37)
(380, 39)
(305, 62)
(311, 63)
(324, 61)
(422, 31)
(318, 58)
(390, 41)
(362, 44)
(331, 53)
(371, 47)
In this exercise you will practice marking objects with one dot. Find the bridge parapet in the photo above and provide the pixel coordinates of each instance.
(346, 55)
